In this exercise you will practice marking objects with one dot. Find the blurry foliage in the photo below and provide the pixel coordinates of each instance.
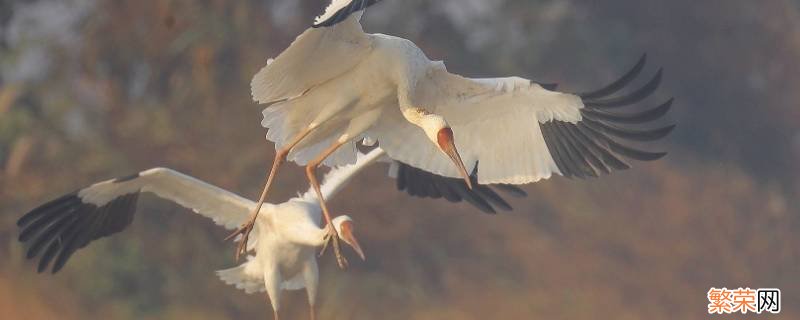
(166, 83)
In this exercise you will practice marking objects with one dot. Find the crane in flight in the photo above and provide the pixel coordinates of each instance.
(336, 86)
(282, 254)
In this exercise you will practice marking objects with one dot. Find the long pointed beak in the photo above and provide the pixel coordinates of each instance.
(349, 238)
(448, 145)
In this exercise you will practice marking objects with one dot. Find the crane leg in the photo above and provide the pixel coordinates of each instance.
(275, 315)
(280, 158)
(311, 169)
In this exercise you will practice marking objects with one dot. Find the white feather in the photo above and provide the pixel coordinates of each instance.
(495, 124)
(295, 283)
(330, 79)
(317, 55)
(283, 240)
(224, 207)
(247, 276)
(286, 237)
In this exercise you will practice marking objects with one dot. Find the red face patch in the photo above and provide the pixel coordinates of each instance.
(445, 137)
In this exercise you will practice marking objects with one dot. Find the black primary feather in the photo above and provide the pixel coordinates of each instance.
(346, 11)
(57, 229)
(596, 144)
(423, 184)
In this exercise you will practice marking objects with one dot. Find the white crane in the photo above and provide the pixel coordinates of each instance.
(336, 85)
(285, 235)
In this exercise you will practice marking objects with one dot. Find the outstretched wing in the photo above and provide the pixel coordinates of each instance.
(335, 44)
(423, 184)
(60, 227)
(513, 131)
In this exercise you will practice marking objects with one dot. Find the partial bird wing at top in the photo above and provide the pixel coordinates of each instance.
(335, 44)
(513, 131)
(339, 10)
(60, 227)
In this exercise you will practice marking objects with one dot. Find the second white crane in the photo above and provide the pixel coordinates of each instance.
(282, 254)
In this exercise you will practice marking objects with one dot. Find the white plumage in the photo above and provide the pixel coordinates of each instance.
(494, 124)
(224, 207)
(282, 253)
(337, 85)
(348, 84)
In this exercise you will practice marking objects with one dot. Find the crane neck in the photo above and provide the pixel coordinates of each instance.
(316, 235)
(301, 225)
(414, 115)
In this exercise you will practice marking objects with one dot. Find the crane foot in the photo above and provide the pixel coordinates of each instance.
(332, 239)
(244, 231)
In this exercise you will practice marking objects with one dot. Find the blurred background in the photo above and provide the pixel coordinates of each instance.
(92, 89)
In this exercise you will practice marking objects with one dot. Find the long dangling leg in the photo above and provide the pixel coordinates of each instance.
(311, 277)
(312, 179)
(272, 284)
(280, 157)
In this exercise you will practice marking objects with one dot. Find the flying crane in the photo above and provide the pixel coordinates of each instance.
(336, 86)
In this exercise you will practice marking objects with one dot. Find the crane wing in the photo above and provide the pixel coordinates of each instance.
(340, 10)
(420, 183)
(513, 131)
(60, 227)
(334, 45)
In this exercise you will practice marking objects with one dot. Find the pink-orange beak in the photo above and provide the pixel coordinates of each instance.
(448, 145)
(346, 230)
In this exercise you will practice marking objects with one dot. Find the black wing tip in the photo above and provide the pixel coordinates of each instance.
(626, 133)
(422, 184)
(620, 83)
(637, 117)
(486, 209)
(641, 62)
(41, 268)
(512, 190)
(668, 129)
(547, 86)
(586, 149)
(72, 225)
(40, 219)
(625, 80)
(345, 12)
(628, 99)
(658, 156)
(497, 202)
(36, 212)
(668, 104)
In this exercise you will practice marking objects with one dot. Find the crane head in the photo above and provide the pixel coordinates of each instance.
(344, 228)
(446, 143)
(438, 131)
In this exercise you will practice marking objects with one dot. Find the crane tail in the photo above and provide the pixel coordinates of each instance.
(245, 277)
